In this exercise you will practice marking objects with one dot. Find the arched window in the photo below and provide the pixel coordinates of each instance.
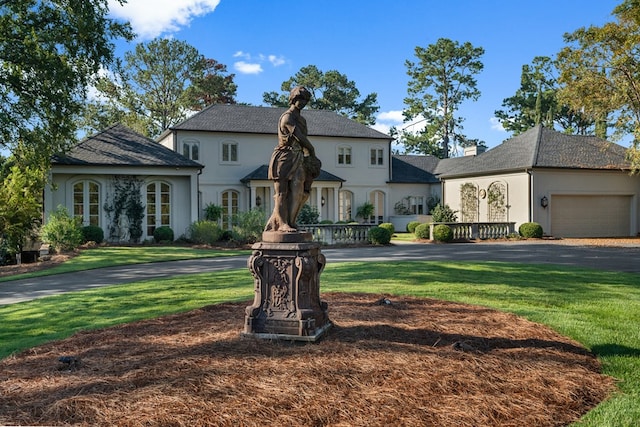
(158, 206)
(86, 202)
(345, 202)
(229, 207)
(376, 198)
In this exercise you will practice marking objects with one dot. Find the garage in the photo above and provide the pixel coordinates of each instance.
(590, 215)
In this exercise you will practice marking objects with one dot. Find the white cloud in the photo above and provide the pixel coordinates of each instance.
(150, 18)
(391, 116)
(247, 67)
(252, 64)
(276, 61)
(496, 124)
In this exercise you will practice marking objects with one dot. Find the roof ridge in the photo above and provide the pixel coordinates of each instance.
(536, 149)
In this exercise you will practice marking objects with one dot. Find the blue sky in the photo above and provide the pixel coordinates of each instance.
(264, 42)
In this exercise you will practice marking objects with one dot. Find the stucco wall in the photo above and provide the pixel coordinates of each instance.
(517, 199)
(578, 182)
(183, 184)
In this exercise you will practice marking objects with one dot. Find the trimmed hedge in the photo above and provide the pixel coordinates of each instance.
(92, 233)
(422, 231)
(530, 230)
(388, 226)
(163, 234)
(442, 233)
(379, 236)
(411, 227)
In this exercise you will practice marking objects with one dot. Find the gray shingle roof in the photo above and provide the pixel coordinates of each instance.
(539, 147)
(264, 120)
(262, 174)
(120, 146)
(413, 169)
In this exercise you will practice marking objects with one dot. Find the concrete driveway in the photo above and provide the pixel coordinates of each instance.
(619, 258)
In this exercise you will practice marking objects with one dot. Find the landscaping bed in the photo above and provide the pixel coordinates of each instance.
(393, 361)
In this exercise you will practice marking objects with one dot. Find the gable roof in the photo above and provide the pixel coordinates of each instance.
(120, 146)
(539, 147)
(408, 169)
(264, 120)
(262, 174)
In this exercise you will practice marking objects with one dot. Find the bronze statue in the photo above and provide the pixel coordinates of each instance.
(293, 165)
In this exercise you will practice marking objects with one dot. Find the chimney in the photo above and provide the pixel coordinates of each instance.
(474, 150)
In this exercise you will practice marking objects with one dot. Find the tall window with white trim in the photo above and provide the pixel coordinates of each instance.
(86, 202)
(158, 206)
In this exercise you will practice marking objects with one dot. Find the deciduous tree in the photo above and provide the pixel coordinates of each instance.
(330, 90)
(49, 52)
(441, 79)
(600, 71)
(160, 84)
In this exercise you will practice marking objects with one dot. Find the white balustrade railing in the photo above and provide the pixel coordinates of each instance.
(477, 230)
(339, 234)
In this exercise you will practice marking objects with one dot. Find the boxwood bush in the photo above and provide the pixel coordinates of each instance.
(411, 227)
(163, 234)
(92, 233)
(388, 226)
(442, 233)
(379, 235)
(530, 230)
(422, 231)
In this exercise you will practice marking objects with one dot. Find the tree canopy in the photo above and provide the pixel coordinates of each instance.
(330, 90)
(49, 52)
(600, 71)
(159, 85)
(441, 79)
(536, 102)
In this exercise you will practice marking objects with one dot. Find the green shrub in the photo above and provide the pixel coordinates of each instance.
(163, 234)
(422, 231)
(62, 231)
(411, 227)
(326, 221)
(92, 233)
(204, 232)
(213, 212)
(530, 230)
(248, 226)
(379, 235)
(442, 233)
(388, 226)
(308, 215)
(443, 214)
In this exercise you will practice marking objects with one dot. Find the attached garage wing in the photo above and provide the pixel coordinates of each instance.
(590, 215)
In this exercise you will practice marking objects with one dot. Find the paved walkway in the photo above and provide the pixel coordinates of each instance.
(540, 252)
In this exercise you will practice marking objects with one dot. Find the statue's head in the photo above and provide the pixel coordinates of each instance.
(299, 92)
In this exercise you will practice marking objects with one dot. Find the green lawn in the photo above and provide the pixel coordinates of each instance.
(599, 309)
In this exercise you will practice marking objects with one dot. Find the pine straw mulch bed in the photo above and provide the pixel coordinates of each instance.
(412, 362)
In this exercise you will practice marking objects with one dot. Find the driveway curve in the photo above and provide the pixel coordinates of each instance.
(618, 258)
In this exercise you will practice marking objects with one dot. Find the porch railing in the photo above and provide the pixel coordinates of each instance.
(477, 230)
(339, 234)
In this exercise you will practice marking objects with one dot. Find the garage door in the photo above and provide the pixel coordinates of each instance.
(590, 216)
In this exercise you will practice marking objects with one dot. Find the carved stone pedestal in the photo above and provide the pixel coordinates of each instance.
(286, 268)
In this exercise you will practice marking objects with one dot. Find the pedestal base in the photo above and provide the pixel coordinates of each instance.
(287, 301)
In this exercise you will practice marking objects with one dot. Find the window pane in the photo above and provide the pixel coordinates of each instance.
(234, 152)
(185, 150)
(195, 154)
